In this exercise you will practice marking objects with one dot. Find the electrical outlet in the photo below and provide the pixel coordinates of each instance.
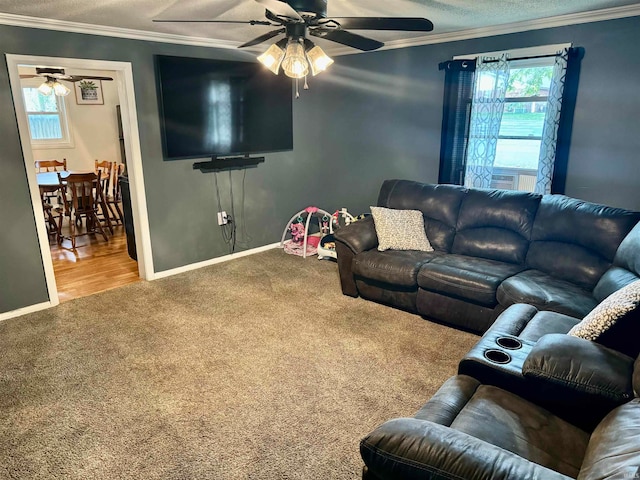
(222, 218)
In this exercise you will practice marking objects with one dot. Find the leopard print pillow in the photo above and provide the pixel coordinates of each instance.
(400, 229)
(612, 309)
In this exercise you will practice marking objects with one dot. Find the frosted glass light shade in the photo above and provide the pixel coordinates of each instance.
(54, 86)
(46, 88)
(60, 90)
(272, 58)
(319, 60)
(295, 64)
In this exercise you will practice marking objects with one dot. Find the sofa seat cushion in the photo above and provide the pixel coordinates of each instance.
(546, 293)
(391, 266)
(503, 419)
(468, 278)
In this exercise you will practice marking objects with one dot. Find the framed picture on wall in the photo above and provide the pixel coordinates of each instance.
(89, 92)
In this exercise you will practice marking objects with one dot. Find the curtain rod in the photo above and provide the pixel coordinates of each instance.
(526, 58)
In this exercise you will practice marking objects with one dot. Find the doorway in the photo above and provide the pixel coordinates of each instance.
(123, 80)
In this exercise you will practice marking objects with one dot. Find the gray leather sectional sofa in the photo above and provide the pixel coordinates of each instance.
(492, 249)
(529, 401)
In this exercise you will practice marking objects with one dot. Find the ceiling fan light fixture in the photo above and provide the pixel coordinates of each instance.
(318, 60)
(51, 85)
(295, 63)
(46, 88)
(60, 90)
(272, 58)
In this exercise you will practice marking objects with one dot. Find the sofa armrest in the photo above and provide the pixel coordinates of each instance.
(358, 236)
(578, 379)
(410, 448)
(514, 319)
(350, 240)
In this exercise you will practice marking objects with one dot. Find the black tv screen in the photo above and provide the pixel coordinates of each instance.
(213, 108)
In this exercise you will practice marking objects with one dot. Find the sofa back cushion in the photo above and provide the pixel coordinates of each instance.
(636, 377)
(628, 253)
(496, 224)
(625, 269)
(576, 240)
(614, 446)
(439, 204)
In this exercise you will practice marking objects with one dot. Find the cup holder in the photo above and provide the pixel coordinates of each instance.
(497, 356)
(509, 343)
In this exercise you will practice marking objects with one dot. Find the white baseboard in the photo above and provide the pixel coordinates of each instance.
(213, 261)
(167, 273)
(24, 310)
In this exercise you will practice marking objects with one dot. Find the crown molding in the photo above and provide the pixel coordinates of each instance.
(89, 29)
(516, 27)
(549, 22)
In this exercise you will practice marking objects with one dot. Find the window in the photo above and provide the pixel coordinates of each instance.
(46, 114)
(503, 123)
(518, 149)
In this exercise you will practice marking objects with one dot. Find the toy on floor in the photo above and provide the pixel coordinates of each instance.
(301, 242)
(327, 247)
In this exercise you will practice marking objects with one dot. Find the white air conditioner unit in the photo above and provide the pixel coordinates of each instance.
(504, 182)
(527, 183)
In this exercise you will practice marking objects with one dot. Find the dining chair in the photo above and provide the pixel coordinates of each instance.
(106, 173)
(107, 185)
(53, 216)
(114, 201)
(83, 197)
(51, 165)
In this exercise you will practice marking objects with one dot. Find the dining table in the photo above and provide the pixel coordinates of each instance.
(49, 182)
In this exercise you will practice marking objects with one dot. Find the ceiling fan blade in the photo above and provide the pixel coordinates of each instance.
(263, 38)
(29, 76)
(77, 78)
(346, 38)
(281, 8)
(183, 20)
(411, 24)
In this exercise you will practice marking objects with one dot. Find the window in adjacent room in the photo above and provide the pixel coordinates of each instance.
(47, 117)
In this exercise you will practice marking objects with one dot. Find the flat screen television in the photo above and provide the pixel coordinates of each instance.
(216, 108)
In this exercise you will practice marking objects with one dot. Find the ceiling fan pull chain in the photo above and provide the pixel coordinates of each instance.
(306, 85)
(297, 91)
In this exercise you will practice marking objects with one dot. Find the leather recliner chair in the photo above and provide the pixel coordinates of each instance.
(589, 427)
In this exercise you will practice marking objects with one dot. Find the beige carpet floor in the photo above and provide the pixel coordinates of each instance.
(257, 368)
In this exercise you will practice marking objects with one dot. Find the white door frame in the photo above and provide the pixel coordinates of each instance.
(126, 94)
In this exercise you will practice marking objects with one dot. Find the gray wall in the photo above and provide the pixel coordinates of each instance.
(371, 117)
(381, 112)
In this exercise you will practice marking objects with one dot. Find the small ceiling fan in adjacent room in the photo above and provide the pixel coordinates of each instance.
(52, 78)
(295, 19)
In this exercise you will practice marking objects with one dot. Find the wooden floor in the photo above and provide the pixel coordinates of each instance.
(94, 266)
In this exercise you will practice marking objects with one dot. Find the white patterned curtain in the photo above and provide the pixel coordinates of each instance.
(549, 141)
(492, 78)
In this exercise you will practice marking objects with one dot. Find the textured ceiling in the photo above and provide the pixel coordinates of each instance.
(447, 15)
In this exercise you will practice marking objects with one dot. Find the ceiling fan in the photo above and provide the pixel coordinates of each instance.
(52, 78)
(297, 18)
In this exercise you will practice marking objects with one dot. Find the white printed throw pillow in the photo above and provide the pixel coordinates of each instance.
(615, 308)
(400, 229)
